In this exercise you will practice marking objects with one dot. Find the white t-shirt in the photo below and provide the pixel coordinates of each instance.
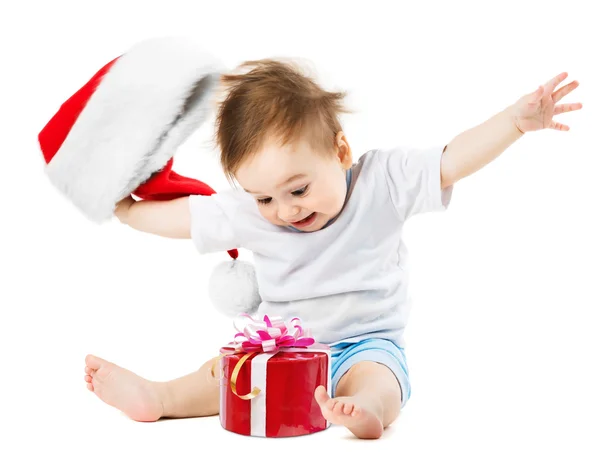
(347, 281)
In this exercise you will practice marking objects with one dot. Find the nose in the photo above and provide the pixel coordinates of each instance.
(288, 213)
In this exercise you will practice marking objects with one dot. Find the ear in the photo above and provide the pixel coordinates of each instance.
(344, 152)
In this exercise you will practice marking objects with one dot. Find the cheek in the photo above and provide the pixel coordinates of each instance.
(264, 211)
(330, 200)
(269, 213)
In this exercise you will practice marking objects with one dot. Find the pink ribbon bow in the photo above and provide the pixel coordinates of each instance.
(270, 334)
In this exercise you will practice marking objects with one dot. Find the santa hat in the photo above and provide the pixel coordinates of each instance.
(117, 134)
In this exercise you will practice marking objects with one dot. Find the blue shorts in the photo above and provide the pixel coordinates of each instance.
(345, 355)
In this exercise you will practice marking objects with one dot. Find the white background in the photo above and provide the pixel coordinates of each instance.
(502, 344)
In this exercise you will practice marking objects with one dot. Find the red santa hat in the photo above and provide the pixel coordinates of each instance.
(117, 134)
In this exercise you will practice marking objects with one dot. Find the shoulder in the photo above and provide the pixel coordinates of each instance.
(229, 201)
(404, 162)
(235, 206)
(374, 164)
(367, 164)
(224, 220)
(377, 159)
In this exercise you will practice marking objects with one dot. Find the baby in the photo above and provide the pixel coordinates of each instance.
(325, 231)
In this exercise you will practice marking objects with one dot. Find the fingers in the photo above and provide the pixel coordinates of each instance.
(563, 91)
(555, 81)
(128, 201)
(559, 126)
(561, 109)
(536, 96)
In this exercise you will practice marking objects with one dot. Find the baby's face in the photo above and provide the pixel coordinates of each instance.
(295, 186)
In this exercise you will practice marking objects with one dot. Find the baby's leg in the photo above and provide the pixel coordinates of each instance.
(368, 399)
(196, 394)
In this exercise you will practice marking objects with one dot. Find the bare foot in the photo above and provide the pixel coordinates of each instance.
(363, 421)
(138, 398)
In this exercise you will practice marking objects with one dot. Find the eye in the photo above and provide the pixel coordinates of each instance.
(301, 191)
(264, 201)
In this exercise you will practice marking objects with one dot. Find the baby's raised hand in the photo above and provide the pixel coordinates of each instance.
(536, 111)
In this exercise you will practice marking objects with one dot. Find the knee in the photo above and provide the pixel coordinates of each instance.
(368, 368)
(363, 374)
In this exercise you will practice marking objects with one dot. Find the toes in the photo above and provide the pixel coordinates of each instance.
(89, 370)
(93, 362)
(342, 408)
(335, 406)
(90, 387)
(321, 395)
(88, 379)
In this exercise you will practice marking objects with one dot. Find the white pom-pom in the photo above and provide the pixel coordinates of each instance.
(233, 288)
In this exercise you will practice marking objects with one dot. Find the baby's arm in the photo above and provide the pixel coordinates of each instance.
(478, 146)
(164, 218)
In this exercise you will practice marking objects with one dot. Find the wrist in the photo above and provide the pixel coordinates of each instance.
(513, 116)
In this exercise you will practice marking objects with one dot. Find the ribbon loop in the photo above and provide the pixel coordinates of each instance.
(268, 334)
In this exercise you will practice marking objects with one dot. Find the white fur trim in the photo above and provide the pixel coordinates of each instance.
(233, 288)
(131, 127)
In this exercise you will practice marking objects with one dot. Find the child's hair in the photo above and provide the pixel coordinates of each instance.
(273, 99)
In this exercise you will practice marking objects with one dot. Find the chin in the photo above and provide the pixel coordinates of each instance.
(319, 224)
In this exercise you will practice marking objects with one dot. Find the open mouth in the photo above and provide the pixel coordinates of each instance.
(306, 221)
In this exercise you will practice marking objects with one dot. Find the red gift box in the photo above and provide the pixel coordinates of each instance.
(268, 383)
